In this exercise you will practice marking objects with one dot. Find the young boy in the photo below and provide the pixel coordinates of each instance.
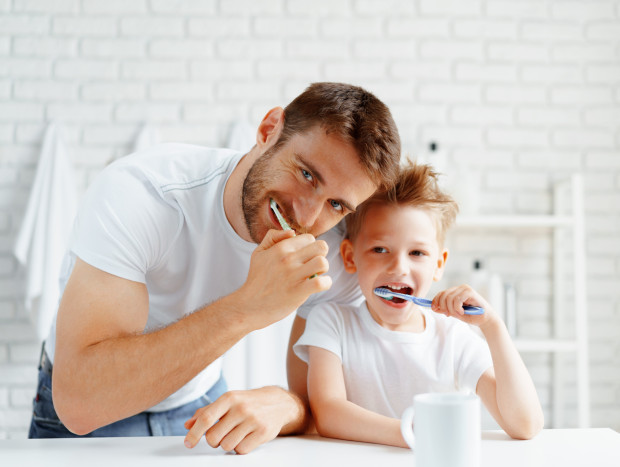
(367, 363)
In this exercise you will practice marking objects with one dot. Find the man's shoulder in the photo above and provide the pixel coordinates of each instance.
(168, 168)
(335, 236)
(169, 164)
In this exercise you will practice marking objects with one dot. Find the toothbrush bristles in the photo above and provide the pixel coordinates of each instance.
(383, 293)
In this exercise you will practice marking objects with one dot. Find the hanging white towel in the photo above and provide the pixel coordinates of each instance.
(147, 136)
(242, 136)
(42, 240)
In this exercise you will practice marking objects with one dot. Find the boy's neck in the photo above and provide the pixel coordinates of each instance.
(416, 323)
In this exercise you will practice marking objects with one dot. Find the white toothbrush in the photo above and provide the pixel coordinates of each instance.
(282, 221)
(388, 295)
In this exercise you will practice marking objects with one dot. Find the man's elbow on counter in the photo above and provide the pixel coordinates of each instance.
(72, 417)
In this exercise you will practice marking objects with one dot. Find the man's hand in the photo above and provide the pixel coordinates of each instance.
(278, 280)
(243, 420)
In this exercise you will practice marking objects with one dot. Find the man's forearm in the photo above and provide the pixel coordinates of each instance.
(121, 376)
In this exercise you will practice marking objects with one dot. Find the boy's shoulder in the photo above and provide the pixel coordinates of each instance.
(334, 310)
(445, 325)
(342, 318)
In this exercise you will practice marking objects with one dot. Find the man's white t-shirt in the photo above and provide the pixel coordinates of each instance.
(157, 217)
(384, 369)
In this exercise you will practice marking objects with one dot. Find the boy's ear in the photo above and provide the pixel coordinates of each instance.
(441, 265)
(346, 251)
(270, 128)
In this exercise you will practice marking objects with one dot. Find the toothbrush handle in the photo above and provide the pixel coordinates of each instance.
(469, 309)
(473, 310)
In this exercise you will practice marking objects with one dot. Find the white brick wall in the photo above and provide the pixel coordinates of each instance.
(526, 92)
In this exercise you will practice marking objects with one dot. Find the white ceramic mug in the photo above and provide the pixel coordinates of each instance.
(447, 429)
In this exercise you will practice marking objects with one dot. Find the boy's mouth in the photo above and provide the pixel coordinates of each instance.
(404, 289)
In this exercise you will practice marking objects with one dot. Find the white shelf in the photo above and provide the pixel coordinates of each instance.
(563, 201)
(549, 221)
(545, 345)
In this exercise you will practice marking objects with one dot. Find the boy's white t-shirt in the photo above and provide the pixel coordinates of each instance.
(384, 369)
(157, 217)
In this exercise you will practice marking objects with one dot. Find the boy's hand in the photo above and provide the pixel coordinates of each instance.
(450, 302)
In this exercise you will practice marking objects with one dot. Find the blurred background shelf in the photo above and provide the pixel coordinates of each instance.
(524, 221)
(546, 345)
(567, 197)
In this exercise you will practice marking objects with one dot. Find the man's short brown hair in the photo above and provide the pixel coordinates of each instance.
(356, 116)
(417, 186)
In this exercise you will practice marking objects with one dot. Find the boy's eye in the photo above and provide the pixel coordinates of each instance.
(379, 249)
(417, 253)
(307, 175)
(336, 205)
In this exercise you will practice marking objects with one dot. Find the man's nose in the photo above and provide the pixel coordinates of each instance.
(307, 211)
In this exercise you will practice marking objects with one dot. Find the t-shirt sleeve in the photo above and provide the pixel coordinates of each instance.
(324, 327)
(473, 358)
(123, 226)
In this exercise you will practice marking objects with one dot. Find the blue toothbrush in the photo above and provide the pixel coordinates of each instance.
(388, 295)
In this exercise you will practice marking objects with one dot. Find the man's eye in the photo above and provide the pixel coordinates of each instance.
(336, 205)
(379, 249)
(307, 175)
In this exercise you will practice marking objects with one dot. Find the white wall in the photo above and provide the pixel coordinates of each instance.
(526, 91)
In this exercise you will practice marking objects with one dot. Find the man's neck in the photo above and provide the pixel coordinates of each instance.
(232, 194)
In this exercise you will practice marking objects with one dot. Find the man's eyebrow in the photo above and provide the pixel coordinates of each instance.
(319, 178)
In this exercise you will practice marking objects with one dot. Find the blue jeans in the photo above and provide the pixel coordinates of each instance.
(46, 424)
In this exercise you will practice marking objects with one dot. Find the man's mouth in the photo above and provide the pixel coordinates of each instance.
(404, 289)
(277, 211)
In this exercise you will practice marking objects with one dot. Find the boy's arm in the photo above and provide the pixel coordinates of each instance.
(297, 376)
(507, 390)
(334, 415)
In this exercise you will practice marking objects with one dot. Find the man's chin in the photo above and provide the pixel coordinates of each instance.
(257, 234)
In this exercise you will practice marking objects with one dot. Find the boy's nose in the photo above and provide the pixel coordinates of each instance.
(307, 211)
(398, 265)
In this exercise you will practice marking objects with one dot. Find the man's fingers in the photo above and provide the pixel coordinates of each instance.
(274, 236)
(229, 423)
(231, 440)
(252, 441)
(203, 420)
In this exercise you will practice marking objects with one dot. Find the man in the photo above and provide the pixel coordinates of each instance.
(164, 275)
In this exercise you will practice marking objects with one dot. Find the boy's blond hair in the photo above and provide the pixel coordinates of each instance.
(417, 186)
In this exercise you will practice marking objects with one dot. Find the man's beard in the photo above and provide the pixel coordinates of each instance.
(252, 195)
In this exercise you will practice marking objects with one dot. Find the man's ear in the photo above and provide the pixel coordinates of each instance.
(270, 128)
(346, 251)
(441, 265)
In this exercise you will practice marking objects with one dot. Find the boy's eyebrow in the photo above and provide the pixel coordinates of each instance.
(319, 178)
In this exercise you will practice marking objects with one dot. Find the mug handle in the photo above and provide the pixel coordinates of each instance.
(406, 427)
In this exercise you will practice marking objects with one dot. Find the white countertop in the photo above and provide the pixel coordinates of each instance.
(598, 447)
